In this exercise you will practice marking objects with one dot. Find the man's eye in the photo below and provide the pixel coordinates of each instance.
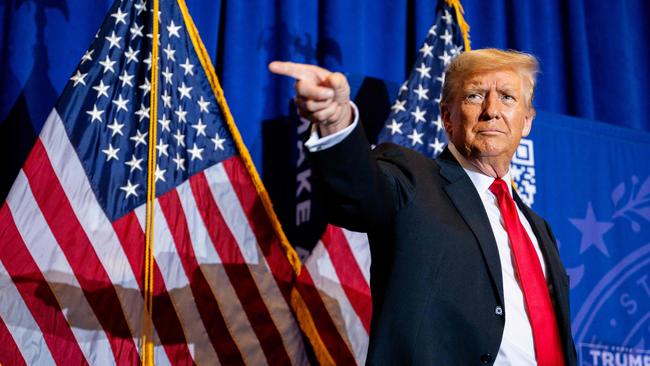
(508, 98)
(474, 97)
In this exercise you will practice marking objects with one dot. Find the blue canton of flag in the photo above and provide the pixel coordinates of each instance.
(415, 120)
(106, 108)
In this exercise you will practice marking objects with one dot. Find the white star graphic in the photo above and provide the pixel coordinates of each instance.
(418, 114)
(111, 152)
(129, 189)
(95, 114)
(457, 50)
(164, 122)
(421, 92)
(131, 55)
(121, 103)
(445, 58)
(404, 87)
(134, 164)
(116, 128)
(432, 30)
(203, 104)
(181, 114)
(142, 113)
(167, 75)
(180, 162)
(180, 138)
(113, 40)
(167, 99)
(427, 50)
(395, 127)
(160, 173)
(146, 87)
(102, 89)
(136, 30)
(424, 71)
(447, 17)
(78, 78)
(196, 152)
(187, 67)
(173, 30)
(87, 56)
(185, 91)
(218, 142)
(399, 106)
(108, 64)
(162, 148)
(119, 16)
(415, 137)
(200, 128)
(446, 37)
(139, 138)
(126, 79)
(437, 146)
(169, 52)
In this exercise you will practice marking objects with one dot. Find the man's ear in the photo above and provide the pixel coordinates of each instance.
(445, 114)
(528, 122)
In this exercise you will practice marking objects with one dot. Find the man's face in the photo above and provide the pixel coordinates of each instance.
(488, 115)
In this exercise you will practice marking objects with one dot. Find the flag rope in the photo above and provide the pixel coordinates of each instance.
(147, 326)
(464, 27)
(304, 316)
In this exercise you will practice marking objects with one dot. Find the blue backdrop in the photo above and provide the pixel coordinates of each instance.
(593, 57)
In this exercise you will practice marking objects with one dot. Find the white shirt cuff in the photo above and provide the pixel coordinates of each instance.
(317, 143)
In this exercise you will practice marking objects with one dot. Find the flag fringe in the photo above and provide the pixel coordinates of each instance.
(464, 27)
(297, 303)
(309, 328)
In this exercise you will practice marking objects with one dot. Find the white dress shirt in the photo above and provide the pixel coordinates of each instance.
(517, 346)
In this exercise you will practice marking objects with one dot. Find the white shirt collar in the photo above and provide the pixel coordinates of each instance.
(481, 181)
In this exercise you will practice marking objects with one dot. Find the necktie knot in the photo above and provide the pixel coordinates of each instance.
(499, 187)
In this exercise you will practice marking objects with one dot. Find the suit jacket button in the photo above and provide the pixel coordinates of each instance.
(486, 358)
(498, 310)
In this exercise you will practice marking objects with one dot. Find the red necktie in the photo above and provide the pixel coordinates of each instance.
(546, 336)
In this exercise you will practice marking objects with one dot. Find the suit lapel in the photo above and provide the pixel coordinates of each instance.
(463, 194)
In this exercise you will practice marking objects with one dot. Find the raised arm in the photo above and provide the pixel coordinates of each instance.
(362, 189)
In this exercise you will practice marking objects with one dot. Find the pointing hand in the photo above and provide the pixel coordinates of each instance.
(322, 96)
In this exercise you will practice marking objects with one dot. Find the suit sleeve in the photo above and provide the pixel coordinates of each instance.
(362, 189)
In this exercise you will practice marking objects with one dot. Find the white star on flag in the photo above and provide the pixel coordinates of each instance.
(415, 137)
(130, 188)
(196, 152)
(111, 152)
(95, 114)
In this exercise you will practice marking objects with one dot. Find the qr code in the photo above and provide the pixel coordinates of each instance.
(522, 169)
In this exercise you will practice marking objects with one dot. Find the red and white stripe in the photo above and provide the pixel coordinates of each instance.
(71, 280)
(339, 267)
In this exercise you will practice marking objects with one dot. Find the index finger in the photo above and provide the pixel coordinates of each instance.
(299, 71)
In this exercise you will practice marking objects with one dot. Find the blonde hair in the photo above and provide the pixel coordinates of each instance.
(474, 62)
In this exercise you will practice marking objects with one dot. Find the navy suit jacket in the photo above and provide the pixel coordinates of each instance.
(435, 274)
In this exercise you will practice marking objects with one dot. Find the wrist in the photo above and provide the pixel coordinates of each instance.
(329, 128)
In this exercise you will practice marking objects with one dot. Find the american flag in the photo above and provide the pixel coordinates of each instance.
(339, 265)
(72, 230)
(415, 120)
